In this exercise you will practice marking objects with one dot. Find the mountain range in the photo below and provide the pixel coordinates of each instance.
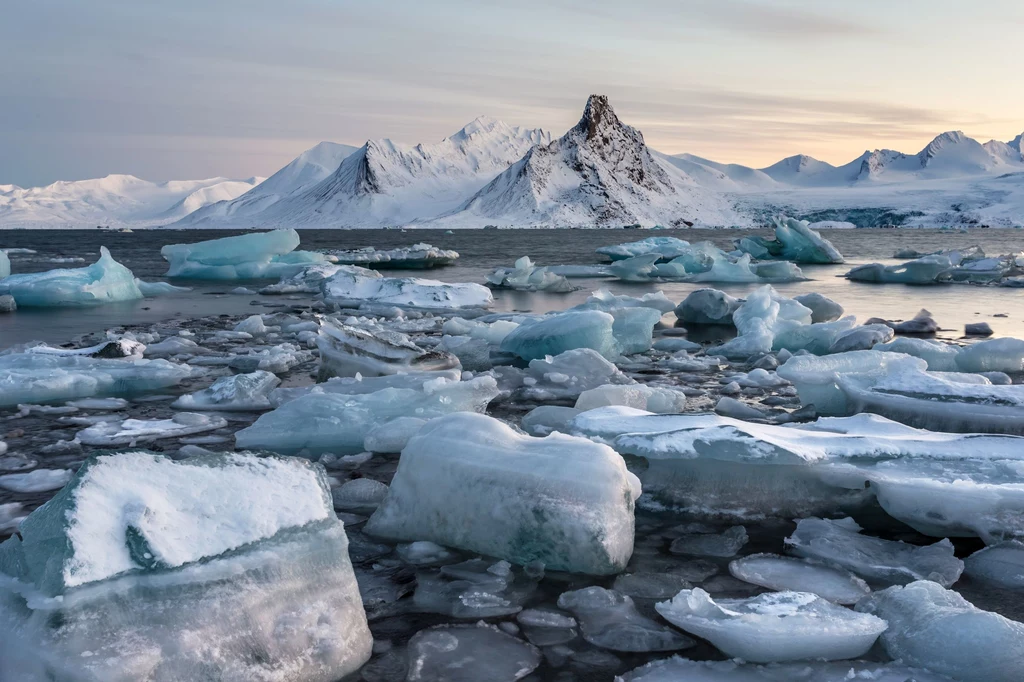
(599, 173)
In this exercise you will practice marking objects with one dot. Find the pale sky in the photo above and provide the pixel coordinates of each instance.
(191, 89)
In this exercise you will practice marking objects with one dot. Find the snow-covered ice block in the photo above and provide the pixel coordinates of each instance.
(935, 628)
(320, 422)
(840, 543)
(132, 431)
(239, 392)
(105, 281)
(44, 378)
(794, 241)
(346, 289)
(310, 278)
(417, 256)
(142, 568)
(346, 351)
(471, 482)
(774, 627)
(678, 669)
(656, 399)
(782, 573)
(609, 619)
(259, 255)
(1001, 564)
(707, 306)
(525, 276)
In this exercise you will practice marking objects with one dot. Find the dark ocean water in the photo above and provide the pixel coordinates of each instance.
(484, 250)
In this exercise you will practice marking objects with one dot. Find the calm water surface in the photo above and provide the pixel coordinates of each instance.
(484, 250)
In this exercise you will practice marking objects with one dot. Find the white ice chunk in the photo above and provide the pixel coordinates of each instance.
(656, 399)
(350, 289)
(602, 299)
(941, 357)
(132, 431)
(783, 573)
(38, 481)
(346, 351)
(996, 355)
(684, 670)
(415, 257)
(525, 276)
(105, 281)
(471, 482)
(666, 248)
(936, 628)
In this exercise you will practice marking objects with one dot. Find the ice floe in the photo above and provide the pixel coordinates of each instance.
(609, 619)
(105, 281)
(259, 255)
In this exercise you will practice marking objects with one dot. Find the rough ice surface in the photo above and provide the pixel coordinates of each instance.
(1001, 564)
(794, 241)
(525, 276)
(346, 351)
(348, 288)
(941, 357)
(239, 392)
(320, 422)
(707, 306)
(471, 482)
(758, 320)
(935, 628)
(359, 496)
(309, 279)
(562, 377)
(105, 281)
(260, 255)
(417, 256)
(783, 573)
(132, 431)
(656, 399)
(774, 627)
(609, 619)
(678, 669)
(45, 378)
(469, 653)
(360, 385)
(160, 576)
(839, 543)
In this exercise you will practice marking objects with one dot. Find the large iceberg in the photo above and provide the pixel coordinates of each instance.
(938, 629)
(318, 422)
(774, 627)
(142, 568)
(105, 281)
(415, 257)
(260, 255)
(471, 482)
(346, 351)
(349, 288)
(45, 378)
(794, 241)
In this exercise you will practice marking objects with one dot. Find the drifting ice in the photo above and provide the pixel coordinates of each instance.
(417, 256)
(105, 281)
(240, 392)
(525, 276)
(346, 351)
(794, 241)
(260, 255)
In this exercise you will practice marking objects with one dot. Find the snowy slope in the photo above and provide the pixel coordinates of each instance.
(112, 200)
(600, 173)
(305, 170)
(388, 183)
(723, 177)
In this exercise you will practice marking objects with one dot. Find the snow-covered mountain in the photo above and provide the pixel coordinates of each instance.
(388, 183)
(112, 200)
(600, 173)
(723, 177)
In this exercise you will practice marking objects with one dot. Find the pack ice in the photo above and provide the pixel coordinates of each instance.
(794, 241)
(935, 628)
(774, 627)
(105, 281)
(260, 255)
(471, 482)
(142, 568)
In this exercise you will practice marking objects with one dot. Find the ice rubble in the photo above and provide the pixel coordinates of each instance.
(141, 568)
(415, 257)
(360, 385)
(350, 288)
(794, 241)
(679, 669)
(43, 378)
(617, 332)
(471, 482)
(525, 276)
(310, 279)
(321, 422)
(782, 573)
(839, 543)
(261, 255)
(609, 619)
(938, 629)
(347, 351)
(774, 627)
(239, 392)
(105, 281)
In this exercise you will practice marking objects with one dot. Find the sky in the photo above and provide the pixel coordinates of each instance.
(237, 88)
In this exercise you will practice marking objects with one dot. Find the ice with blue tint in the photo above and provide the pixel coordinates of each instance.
(774, 627)
(602, 299)
(45, 378)
(259, 255)
(610, 620)
(794, 241)
(415, 257)
(941, 357)
(926, 270)
(758, 320)
(994, 355)
(471, 482)
(105, 281)
(707, 306)
(525, 276)
(142, 568)
(353, 287)
(823, 308)
(704, 262)
(656, 399)
(555, 334)
(152, 289)
(239, 392)
(1001, 564)
(935, 628)
(665, 248)
(5, 264)
(678, 669)
(317, 423)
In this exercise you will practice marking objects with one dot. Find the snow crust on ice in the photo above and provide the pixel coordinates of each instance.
(132, 431)
(258, 255)
(105, 281)
(471, 482)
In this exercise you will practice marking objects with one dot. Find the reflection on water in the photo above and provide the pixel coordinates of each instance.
(482, 251)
